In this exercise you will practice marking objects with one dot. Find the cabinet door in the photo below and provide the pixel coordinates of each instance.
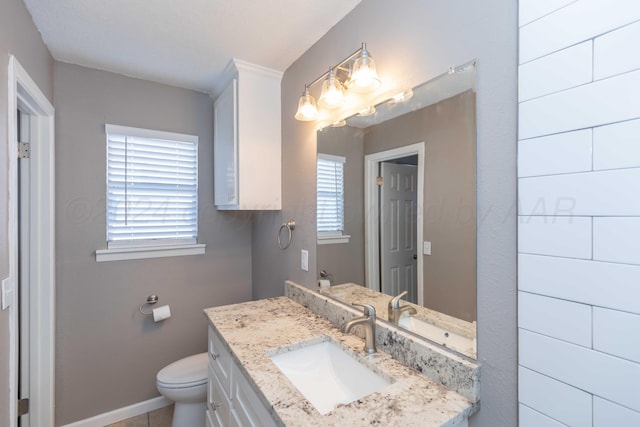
(247, 405)
(225, 142)
(220, 361)
(218, 405)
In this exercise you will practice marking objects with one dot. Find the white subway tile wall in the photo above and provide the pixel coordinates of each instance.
(532, 418)
(579, 207)
(555, 154)
(564, 403)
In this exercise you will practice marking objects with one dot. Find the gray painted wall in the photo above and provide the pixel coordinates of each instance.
(448, 130)
(18, 36)
(345, 261)
(417, 40)
(107, 353)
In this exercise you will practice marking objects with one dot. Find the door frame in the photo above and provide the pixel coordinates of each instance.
(24, 93)
(372, 213)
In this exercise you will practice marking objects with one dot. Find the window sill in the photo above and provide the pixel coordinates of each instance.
(330, 240)
(121, 254)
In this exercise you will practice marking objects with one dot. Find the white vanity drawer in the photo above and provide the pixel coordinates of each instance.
(221, 361)
(250, 409)
(218, 405)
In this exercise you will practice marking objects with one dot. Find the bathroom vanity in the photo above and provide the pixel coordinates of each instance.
(246, 387)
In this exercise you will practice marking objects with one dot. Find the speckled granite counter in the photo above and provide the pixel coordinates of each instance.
(254, 330)
(351, 292)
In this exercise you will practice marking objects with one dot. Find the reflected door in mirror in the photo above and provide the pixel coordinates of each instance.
(398, 197)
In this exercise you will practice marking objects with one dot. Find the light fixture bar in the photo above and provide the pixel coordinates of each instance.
(338, 66)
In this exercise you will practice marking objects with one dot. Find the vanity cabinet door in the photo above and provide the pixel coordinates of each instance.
(218, 405)
(220, 361)
(250, 409)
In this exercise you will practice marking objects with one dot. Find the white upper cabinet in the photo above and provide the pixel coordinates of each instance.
(247, 139)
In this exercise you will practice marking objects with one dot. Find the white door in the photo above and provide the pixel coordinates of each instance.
(398, 221)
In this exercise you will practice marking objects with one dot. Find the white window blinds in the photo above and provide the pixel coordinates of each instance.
(330, 193)
(152, 187)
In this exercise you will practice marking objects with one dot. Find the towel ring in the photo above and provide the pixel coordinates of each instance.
(151, 299)
(289, 226)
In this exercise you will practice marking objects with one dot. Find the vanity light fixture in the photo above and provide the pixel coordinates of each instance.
(332, 95)
(307, 108)
(364, 78)
(351, 77)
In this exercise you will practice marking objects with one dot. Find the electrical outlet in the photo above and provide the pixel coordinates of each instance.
(304, 260)
(7, 293)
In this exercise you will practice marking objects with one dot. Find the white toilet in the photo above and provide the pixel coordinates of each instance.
(185, 383)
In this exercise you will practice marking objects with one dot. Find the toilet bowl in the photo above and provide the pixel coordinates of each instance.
(185, 383)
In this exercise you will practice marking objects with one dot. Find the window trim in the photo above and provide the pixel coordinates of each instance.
(119, 251)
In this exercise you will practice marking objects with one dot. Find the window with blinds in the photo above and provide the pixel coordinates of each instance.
(152, 188)
(330, 196)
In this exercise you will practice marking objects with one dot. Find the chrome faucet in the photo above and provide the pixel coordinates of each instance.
(394, 309)
(368, 321)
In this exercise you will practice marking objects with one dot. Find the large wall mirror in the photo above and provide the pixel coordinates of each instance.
(397, 209)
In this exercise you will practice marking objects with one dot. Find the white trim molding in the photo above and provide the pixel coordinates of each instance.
(144, 252)
(121, 414)
(372, 213)
(23, 93)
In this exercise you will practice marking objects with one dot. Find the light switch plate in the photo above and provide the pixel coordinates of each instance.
(426, 248)
(7, 293)
(304, 260)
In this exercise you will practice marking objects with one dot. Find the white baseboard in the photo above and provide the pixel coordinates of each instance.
(123, 413)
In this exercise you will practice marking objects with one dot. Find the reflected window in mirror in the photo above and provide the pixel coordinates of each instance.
(330, 199)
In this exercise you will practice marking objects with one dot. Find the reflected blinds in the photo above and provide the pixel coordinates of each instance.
(330, 193)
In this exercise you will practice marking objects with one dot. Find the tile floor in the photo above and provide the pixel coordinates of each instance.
(159, 418)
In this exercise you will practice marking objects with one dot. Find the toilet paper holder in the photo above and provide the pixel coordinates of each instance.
(151, 299)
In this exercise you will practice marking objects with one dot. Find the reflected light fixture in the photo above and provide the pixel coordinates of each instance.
(367, 111)
(402, 96)
(307, 108)
(355, 75)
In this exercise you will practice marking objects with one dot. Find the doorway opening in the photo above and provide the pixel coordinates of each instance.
(394, 193)
(31, 251)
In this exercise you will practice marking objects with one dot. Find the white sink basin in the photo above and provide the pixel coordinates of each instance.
(434, 333)
(326, 374)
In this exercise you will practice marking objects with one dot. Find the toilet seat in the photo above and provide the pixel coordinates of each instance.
(184, 373)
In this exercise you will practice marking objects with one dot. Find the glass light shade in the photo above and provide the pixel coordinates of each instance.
(332, 95)
(364, 77)
(307, 109)
(367, 111)
(402, 96)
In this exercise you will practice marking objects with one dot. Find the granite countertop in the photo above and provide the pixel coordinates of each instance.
(351, 292)
(255, 330)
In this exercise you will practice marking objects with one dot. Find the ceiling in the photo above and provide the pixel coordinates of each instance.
(183, 43)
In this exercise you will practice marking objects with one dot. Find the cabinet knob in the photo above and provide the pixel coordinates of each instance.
(214, 356)
(215, 406)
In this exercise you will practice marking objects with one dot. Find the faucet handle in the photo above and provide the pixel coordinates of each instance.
(395, 301)
(368, 310)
